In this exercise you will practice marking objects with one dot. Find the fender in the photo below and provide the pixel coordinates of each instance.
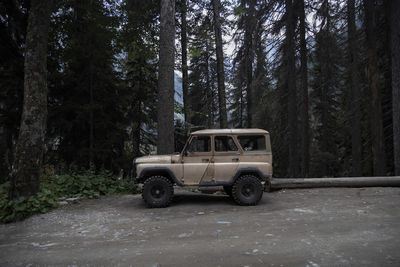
(155, 171)
(240, 172)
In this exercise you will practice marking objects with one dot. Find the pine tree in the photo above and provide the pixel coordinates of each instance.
(139, 68)
(185, 82)
(220, 65)
(355, 89)
(291, 83)
(304, 127)
(325, 94)
(378, 151)
(86, 123)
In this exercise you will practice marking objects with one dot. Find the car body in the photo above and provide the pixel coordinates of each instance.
(214, 157)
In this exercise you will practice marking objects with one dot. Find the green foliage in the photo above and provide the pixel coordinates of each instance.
(87, 184)
(17, 209)
(239, 10)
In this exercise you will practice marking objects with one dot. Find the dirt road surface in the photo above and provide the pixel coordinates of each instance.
(300, 227)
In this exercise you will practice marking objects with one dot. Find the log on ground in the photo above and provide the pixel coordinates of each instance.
(385, 181)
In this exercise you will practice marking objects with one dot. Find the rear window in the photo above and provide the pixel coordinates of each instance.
(252, 142)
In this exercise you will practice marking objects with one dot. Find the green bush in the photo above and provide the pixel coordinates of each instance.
(86, 184)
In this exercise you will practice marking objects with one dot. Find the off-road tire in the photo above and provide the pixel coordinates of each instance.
(228, 190)
(247, 190)
(157, 192)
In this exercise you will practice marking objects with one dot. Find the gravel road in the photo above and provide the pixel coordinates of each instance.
(299, 227)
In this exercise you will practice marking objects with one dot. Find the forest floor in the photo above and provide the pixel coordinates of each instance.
(301, 227)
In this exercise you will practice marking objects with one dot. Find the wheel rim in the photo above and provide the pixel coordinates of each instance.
(248, 190)
(157, 191)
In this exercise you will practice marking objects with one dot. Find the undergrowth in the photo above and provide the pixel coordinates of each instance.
(86, 184)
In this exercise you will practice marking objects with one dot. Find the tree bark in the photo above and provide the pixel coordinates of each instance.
(395, 36)
(91, 120)
(249, 58)
(291, 83)
(378, 150)
(305, 141)
(223, 119)
(25, 176)
(355, 90)
(209, 98)
(185, 82)
(165, 110)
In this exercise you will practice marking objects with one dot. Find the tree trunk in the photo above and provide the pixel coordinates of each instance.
(209, 98)
(165, 110)
(355, 90)
(395, 36)
(249, 58)
(223, 120)
(91, 119)
(184, 63)
(25, 176)
(291, 83)
(305, 143)
(378, 150)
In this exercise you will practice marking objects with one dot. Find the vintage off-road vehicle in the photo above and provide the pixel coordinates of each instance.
(240, 160)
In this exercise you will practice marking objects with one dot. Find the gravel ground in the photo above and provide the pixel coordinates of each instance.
(300, 227)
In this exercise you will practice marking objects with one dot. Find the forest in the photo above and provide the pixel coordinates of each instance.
(92, 84)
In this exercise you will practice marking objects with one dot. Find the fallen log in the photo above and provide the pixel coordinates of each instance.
(385, 181)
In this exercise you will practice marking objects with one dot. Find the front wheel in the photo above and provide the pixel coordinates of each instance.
(247, 190)
(157, 192)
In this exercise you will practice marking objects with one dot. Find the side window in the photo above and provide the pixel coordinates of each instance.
(200, 144)
(224, 144)
(252, 142)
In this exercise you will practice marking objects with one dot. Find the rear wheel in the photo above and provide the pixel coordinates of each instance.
(247, 190)
(157, 192)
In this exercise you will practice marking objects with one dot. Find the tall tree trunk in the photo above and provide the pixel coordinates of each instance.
(305, 139)
(249, 58)
(165, 108)
(137, 128)
(378, 150)
(209, 98)
(91, 119)
(25, 176)
(223, 119)
(395, 36)
(4, 153)
(184, 63)
(291, 83)
(355, 90)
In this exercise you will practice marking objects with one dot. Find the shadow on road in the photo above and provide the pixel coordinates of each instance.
(182, 199)
(201, 199)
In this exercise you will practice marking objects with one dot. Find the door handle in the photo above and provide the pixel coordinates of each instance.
(235, 159)
(205, 160)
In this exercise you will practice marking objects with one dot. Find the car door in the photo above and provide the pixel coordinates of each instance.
(226, 157)
(197, 160)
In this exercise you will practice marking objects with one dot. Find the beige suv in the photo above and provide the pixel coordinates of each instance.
(240, 160)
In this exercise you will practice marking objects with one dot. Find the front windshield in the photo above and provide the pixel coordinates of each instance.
(198, 144)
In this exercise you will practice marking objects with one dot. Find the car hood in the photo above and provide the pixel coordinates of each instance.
(154, 159)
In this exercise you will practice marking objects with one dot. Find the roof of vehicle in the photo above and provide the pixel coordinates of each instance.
(230, 131)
